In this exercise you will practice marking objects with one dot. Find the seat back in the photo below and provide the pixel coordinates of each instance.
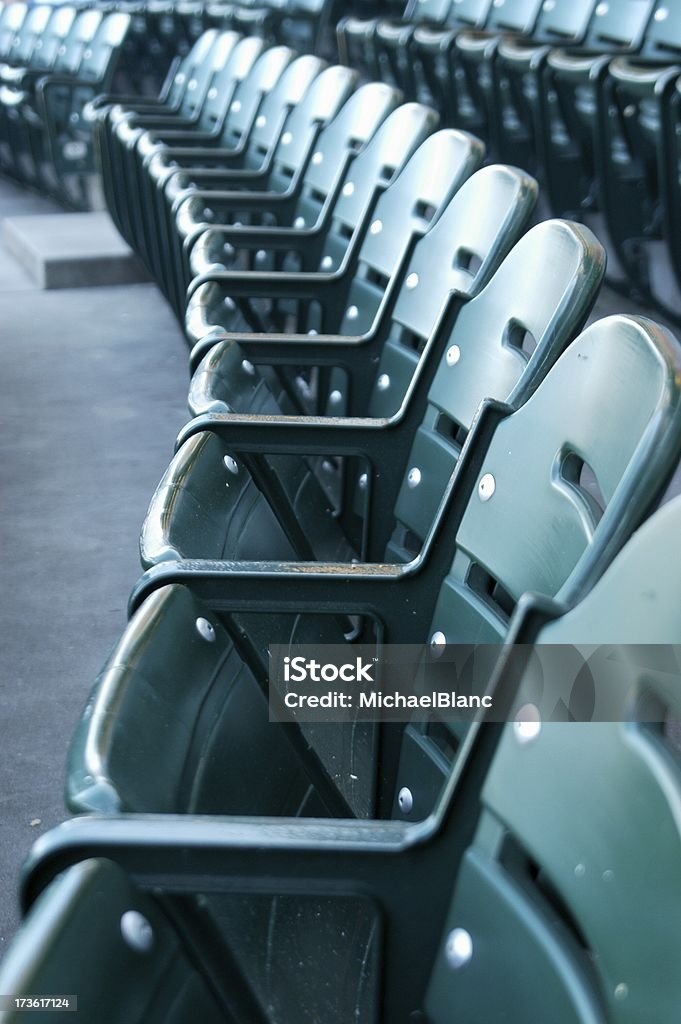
(12, 19)
(574, 875)
(415, 199)
(93, 916)
(195, 58)
(319, 106)
(619, 26)
(662, 40)
(47, 47)
(514, 16)
(290, 90)
(240, 58)
(348, 134)
(568, 476)
(71, 51)
(100, 58)
(32, 28)
(458, 253)
(468, 14)
(564, 22)
(260, 81)
(507, 335)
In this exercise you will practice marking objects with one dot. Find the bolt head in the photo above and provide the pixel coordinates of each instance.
(458, 948)
(205, 629)
(405, 800)
(137, 932)
(486, 487)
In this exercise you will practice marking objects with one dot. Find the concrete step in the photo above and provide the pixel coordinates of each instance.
(71, 250)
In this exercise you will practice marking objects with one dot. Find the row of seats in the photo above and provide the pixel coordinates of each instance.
(583, 93)
(403, 432)
(64, 57)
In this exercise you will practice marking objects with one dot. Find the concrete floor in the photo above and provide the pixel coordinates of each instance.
(92, 393)
(93, 390)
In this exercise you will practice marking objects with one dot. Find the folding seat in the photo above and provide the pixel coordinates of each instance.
(518, 71)
(193, 514)
(306, 25)
(178, 721)
(557, 844)
(572, 81)
(391, 41)
(474, 57)
(368, 232)
(431, 54)
(631, 162)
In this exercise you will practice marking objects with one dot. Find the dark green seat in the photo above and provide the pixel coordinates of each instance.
(545, 885)
(400, 602)
(197, 513)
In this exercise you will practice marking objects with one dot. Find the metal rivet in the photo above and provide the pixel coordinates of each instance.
(453, 355)
(286, 139)
(662, 14)
(412, 281)
(248, 367)
(629, 110)
(260, 122)
(137, 931)
(231, 464)
(228, 303)
(62, 51)
(335, 397)
(348, 188)
(317, 158)
(327, 263)
(299, 222)
(414, 477)
(260, 255)
(352, 313)
(191, 86)
(383, 382)
(458, 948)
(438, 642)
(212, 93)
(405, 800)
(527, 723)
(236, 106)
(312, 332)
(87, 54)
(205, 629)
(486, 487)
(580, 870)
(376, 227)
(362, 482)
(621, 992)
(608, 875)
(228, 249)
(178, 78)
(602, 10)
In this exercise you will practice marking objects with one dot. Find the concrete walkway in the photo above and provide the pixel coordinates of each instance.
(93, 385)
